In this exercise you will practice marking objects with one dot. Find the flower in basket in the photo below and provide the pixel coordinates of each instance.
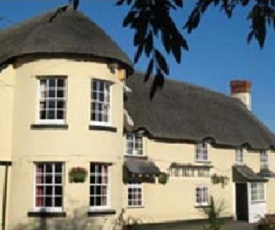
(77, 175)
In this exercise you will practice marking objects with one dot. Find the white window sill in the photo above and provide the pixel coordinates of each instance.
(202, 161)
(202, 205)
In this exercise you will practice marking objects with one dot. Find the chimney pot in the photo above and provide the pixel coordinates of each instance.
(240, 86)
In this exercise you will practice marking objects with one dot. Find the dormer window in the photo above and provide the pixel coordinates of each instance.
(100, 102)
(263, 160)
(52, 100)
(134, 144)
(201, 152)
(239, 156)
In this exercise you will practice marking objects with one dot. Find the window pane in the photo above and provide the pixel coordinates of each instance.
(58, 190)
(48, 202)
(49, 190)
(58, 179)
(58, 202)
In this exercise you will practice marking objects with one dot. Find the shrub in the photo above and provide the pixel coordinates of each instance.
(267, 222)
(213, 213)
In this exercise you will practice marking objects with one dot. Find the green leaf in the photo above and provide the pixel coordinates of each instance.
(119, 2)
(138, 53)
(157, 83)
(179, 3)
(149, 44)
(149, 70)
(161, 62)
(129, 18)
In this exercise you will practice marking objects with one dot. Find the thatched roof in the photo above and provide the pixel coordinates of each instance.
(184, 112)
(67, 32)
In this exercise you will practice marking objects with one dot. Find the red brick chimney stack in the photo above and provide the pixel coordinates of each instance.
(241, 89)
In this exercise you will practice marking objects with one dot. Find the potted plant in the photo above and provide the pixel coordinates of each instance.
(77, 175)
(219, 179)
(163, 178)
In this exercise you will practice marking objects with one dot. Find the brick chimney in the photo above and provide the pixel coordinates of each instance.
(241, 89)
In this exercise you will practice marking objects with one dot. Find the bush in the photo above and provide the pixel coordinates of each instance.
(267, 222)
(213, 212)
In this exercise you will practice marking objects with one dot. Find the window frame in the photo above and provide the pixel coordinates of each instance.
(48, 209)
(108, 187)
(200, 192)
(137, 140)
(264, 160)
(201, 150)
(239, 156)
(54, 121)
(109, 120)
(258, 188)
(135, 185)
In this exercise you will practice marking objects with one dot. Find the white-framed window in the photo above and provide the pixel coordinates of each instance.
(52, 100)
(48, 186)
(257, 192)
(100, 102)
(135, 194)
(99, 186)
(134, 144)
(189, 172)
(239, 156)
(202, 195)
(201, 152)
(263, 160)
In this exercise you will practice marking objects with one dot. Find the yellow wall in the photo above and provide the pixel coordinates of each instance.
(76, 146)
(7, 89)
(176, 199)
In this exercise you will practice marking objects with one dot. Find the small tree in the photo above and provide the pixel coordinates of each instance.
(213, 213)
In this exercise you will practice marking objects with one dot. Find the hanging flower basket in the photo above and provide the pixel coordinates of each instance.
(163, 178)
(219, 179)
(77, 175)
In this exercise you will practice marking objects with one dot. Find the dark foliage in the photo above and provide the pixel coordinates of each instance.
(260, 16)
(151, 21)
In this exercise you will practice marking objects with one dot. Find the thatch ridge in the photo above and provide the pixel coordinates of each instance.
(182, 111)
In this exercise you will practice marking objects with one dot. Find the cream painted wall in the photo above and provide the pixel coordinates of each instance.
(7, 85)
(176, 199)
(76, 146)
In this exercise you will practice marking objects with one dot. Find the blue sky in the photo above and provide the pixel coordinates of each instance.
(218, 49)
